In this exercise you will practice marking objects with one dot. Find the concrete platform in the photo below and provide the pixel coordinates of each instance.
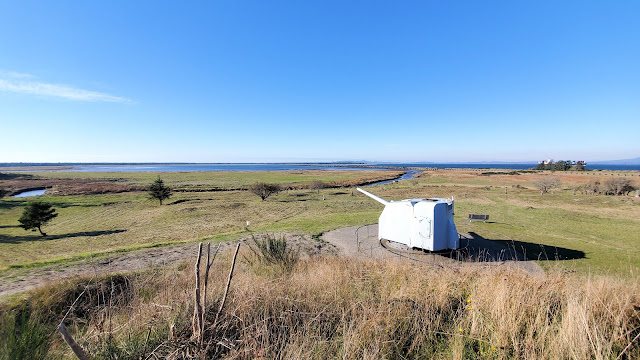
(362, 241)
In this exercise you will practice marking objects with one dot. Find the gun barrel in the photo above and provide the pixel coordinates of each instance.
(378, 199)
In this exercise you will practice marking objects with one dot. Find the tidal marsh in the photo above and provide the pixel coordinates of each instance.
(594, 233)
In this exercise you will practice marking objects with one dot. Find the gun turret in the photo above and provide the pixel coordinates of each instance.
(418, 223)
(378, 199)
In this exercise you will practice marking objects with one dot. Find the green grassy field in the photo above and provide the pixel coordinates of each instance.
(598, 234)
(585, 233)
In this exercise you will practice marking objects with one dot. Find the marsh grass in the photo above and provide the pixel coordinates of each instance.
(228, 179)
(604, 228)
(357, 309)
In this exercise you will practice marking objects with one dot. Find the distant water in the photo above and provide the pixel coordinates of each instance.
(208, 167)
(614, 167)
(521, 166)
(30, 193)
(406, 176)
(292, 167)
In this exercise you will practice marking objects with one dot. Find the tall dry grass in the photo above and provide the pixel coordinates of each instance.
(365, 309)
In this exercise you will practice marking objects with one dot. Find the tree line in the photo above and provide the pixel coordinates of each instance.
(562, 165)
(614, 186)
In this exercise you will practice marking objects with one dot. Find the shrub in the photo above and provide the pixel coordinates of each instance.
(546, 184)
(618, 186)
(592, 187)
(264, 190)
(275, 251)
(317, 185)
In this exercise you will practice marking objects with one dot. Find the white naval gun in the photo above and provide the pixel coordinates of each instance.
(418, 223)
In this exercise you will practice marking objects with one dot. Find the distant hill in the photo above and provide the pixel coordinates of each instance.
(635, 161)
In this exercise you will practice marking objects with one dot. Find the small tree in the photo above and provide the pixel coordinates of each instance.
(546, 184)
(3, 193)
(264, 190)
(159, 191)
(36, 215)
(317, 185)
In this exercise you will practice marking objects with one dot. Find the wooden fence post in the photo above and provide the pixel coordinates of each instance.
(226, 290)
(197, 308)
(77, 349)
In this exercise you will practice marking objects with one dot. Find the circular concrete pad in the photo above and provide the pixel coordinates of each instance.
(362, 241)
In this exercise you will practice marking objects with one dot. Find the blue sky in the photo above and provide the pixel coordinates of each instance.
(245, 81)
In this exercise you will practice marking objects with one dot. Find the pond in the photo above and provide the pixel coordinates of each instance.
(408, 175)
(37, 192)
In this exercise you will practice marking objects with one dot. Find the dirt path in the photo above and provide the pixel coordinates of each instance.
(13, 282)
(343, 242)
(362, 241)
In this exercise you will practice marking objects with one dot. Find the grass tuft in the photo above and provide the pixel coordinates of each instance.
(24, 335)
(274, 250)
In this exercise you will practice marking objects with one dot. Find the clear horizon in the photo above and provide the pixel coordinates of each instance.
(316, 162)
(284, 81)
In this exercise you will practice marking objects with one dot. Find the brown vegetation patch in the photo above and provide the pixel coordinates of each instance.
(508, 176)
(95, 188)
(21, 183)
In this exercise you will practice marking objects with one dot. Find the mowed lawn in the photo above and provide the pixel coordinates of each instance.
(585, 233)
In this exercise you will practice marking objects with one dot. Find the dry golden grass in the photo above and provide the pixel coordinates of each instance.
(361, 309)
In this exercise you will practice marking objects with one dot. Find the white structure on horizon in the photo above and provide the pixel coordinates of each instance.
(571, 162)
(418, 223)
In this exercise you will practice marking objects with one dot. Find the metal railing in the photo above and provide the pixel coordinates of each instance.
(368, 247)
